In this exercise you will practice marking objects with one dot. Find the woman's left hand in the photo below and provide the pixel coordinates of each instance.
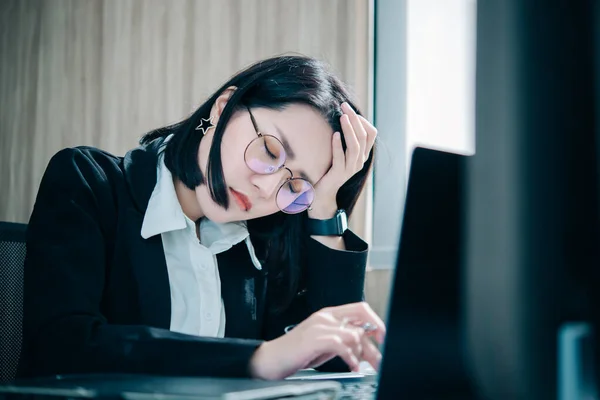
(359, 135)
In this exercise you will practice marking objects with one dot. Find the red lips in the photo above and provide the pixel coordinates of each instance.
(242, 200)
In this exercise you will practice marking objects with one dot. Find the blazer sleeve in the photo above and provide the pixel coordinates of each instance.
(64, 328)
(333, 277)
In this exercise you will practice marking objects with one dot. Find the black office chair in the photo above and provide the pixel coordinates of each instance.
(12, 258)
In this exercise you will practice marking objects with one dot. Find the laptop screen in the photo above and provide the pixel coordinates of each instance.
(423, 352)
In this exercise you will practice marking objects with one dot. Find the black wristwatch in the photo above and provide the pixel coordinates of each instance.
(335, 226)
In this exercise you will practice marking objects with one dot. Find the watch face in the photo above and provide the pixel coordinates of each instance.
(343, 222)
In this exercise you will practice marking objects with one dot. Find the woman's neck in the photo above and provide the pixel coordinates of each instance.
(188, 201)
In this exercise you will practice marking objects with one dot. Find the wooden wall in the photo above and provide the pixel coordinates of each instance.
(103, 72)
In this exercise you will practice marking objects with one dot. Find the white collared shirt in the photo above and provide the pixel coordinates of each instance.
(196, 304)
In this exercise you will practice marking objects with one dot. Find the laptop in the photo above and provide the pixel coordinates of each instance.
(144, 387)
(422, 356)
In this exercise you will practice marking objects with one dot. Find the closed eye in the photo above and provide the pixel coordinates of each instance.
(269, 153)
(293, 188)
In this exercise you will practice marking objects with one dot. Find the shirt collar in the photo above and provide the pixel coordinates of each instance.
(164, 213)
(221, 237)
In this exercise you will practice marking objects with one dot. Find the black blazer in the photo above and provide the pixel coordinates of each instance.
(97, 295)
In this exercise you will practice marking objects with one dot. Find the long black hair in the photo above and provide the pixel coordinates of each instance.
(273, 83)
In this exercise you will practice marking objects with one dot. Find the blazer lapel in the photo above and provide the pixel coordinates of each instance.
(242, 289)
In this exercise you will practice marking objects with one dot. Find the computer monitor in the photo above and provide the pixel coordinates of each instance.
(496, 266)
(532, 264)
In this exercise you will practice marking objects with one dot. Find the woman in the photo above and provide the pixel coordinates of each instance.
(217, 248)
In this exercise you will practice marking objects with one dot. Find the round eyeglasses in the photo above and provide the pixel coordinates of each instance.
(266, 155)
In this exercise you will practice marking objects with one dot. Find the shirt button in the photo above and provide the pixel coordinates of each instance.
(208, 316)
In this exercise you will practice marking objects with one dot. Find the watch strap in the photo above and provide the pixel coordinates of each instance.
(335, 226)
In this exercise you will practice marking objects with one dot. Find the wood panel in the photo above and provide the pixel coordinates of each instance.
(378, 289)
(103, 72)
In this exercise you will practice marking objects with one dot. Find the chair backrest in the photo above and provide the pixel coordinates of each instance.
(12, 259)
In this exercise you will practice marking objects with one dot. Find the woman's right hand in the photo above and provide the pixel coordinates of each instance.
(330, 332)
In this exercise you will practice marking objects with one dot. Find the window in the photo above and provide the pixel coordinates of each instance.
(424, 95)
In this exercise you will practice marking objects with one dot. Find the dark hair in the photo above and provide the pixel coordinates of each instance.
(273, 83)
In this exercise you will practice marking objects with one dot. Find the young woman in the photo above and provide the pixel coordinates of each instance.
(218, 247)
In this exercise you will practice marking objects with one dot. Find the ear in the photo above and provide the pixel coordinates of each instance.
(221, 102)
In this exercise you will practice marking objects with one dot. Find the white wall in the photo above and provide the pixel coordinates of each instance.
(440, 75)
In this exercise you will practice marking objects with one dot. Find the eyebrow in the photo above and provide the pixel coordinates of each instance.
(290, 152)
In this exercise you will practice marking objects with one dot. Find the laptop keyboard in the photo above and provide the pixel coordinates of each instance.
(358, 390)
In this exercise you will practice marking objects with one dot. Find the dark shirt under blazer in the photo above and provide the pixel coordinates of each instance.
(97, 295)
